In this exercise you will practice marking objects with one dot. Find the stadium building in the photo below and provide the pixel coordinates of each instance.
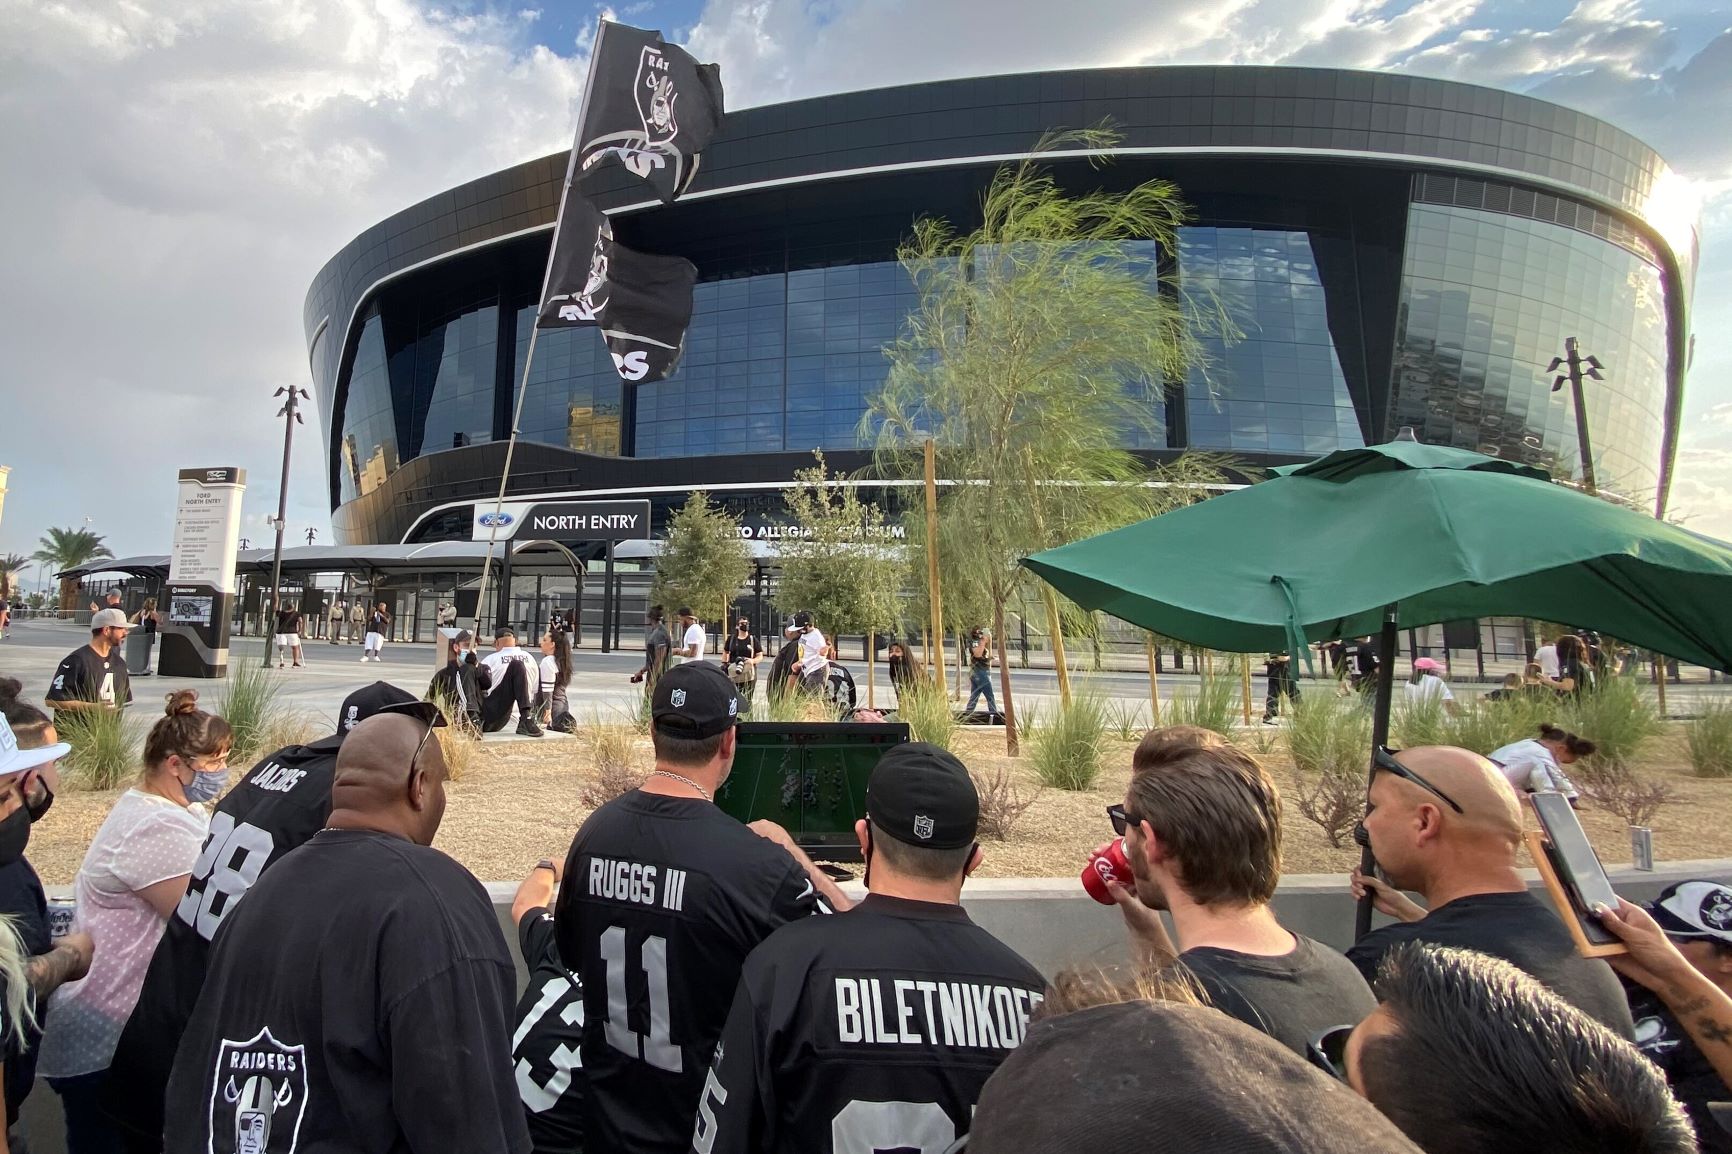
(1398, 251)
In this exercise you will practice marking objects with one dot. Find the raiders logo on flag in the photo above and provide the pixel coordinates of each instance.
(258, 1096)
(641, 303)
(650, 105)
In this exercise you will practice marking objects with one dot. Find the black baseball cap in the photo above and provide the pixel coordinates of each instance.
(375, 698)
(922, 795)
(504, 631)
(803, 620)
(1699, 911)
(694, 701)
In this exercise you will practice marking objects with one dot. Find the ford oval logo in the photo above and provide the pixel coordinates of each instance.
(499, 520)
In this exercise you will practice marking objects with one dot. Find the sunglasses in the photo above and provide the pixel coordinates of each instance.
(1328, 1051)
(419, 746)
(1384, 758)
(1122, 819)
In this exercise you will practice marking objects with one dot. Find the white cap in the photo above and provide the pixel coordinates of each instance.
(109, 619)
(15, 760)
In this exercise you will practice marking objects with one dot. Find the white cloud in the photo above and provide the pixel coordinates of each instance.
(177, 173)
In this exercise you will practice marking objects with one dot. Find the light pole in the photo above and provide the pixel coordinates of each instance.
(311, 533)
(290, 411)
(1578, 367)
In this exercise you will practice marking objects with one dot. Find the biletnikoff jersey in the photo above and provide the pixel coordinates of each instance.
(663, 898)
(870, 1031)
(283, 801)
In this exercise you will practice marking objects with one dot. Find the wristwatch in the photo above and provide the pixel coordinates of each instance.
(547, 864)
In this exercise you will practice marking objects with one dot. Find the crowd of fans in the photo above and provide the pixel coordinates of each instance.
(289, 965)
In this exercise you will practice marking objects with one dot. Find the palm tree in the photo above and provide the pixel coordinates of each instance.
(67, 549)
(10, 563)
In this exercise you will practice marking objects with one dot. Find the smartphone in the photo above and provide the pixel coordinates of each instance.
(1576, 864)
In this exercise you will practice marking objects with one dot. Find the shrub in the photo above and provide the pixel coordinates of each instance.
(1030, 717)
(249, 703)
(928, 715)
(1127, 719)
(1214, 706)
(1002, 801)
(1483, 726)
(1710, 740)
(613, 758)
(1618, 716)
(1414, 723)
(1068, 748)
(104, 753)
(1329, 738)
(1621, 789)
(287, 727)
(461, 746)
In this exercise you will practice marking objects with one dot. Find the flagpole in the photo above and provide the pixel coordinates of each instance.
(535, 327)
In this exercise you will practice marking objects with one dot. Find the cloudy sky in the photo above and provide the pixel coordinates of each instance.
(178, 170)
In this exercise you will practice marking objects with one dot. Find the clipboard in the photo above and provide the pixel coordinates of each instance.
(1572, 915)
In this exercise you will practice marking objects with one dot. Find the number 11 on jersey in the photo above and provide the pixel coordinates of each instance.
(657, 1048)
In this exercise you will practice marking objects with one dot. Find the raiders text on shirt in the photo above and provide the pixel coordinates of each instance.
(919, 1012)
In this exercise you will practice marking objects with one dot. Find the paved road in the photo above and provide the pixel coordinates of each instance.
(599, 681)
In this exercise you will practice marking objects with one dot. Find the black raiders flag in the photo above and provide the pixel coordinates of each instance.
(641, 303)
(650, 105)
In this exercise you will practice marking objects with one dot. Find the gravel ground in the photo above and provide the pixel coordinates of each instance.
(515, 802)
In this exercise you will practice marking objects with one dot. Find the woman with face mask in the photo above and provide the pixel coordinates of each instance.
(133, 876)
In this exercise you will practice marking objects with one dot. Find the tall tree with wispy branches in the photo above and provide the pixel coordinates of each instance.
(1042, 344)
(64, 549)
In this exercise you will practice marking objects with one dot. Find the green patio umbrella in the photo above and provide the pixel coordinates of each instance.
(1369, 541)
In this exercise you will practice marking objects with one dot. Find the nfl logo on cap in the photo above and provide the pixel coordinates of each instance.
(922, 827)
(678, 697)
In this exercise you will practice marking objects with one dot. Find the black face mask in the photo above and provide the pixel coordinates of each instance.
(14, 836)
(37, 804)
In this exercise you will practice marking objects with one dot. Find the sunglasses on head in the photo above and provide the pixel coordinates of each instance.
(1122, 819)
(1384, 758)
(1328, 1051)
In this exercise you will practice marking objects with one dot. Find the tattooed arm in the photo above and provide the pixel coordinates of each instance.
(1701, 1007)
(68, 961)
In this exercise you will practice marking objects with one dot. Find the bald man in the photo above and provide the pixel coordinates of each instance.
(360, 999)
(1445, 824)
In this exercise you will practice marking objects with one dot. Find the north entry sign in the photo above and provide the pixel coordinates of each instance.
(564, 521)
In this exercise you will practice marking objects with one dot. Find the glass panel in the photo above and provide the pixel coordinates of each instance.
(369, 443)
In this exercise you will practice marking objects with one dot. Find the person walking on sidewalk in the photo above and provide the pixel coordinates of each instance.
(1279, 671)
(980, 676)
(289, 622)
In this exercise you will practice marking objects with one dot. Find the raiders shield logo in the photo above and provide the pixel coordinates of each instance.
(1716, 910)
(656, 97)
(588, 304)
(258, 1096)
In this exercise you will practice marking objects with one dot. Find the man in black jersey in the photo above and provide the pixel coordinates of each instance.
(545, 1046)
(94, 676)
(875, 1030)
(283, 801)
(664, 896)
(360, 999)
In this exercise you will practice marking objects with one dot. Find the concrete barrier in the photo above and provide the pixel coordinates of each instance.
(1049, 921)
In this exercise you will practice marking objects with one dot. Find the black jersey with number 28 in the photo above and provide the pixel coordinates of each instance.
(662, 899)
(545, 1044)
(283, 801)
(870, 1031)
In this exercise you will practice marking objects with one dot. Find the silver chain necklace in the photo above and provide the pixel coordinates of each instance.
(685, 780)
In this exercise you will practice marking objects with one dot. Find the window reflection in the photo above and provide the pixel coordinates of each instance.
(1486, 301)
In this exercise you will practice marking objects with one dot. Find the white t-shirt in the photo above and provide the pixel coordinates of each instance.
(1427, 690)
(146, 839)
(812, 657)
(1547, 658)
(694, 636)
(495, 665)
(1531, 768)
(549, 673)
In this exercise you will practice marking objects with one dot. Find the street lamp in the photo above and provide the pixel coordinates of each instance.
(289, 411)
(1578, 367)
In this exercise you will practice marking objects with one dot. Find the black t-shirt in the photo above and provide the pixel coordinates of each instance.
(1522, 930)
(22, 899)
(547, 1041)
(1292, 997)
(359, 1000)
(281, 803)
(656, 637)
(289, 621)
(977, 661)
(379, 622)
(84, 676)
(1692, 1078)
(663, 899)
(871, 1030)
(740, 649)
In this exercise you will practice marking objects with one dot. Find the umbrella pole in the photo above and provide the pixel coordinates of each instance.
(1379, 736)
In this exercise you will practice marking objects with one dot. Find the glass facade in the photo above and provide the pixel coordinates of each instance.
(1279, 389)
(1487, 301)
(574, 392)
(369, 445)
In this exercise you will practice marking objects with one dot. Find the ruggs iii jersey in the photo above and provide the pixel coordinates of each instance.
(662, 899)
(870, 1031)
